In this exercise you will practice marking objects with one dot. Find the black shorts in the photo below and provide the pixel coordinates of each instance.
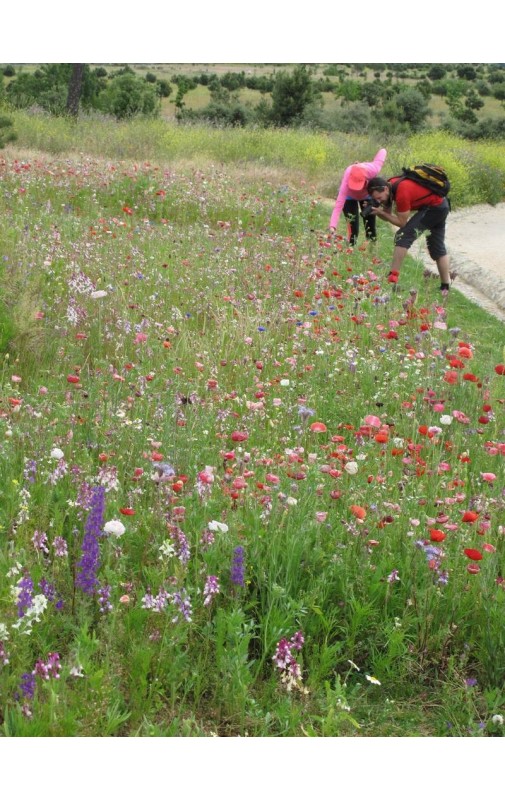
(431, 219)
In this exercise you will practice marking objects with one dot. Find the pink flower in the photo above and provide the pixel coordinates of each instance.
(140, 337)
(488, 476)
(461, 417)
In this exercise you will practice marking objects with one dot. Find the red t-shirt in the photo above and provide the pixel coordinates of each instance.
(411, 196)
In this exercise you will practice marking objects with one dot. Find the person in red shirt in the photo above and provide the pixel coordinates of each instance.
(416, 210)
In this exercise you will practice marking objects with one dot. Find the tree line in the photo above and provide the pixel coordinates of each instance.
(392, 98)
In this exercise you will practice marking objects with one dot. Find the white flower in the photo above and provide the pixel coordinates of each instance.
(4, 633)
(373, 680)
(445, 419)
(115, 527)
(167, 549)
(351, 467)
(497, 719)
(98, 294)
(284, 382)
(217, 526)
(57, 453)
(77, 672)
(291, 501)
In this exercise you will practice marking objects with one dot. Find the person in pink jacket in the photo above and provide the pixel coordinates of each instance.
(353, 197)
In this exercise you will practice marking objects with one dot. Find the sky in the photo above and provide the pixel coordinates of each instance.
(266, 31)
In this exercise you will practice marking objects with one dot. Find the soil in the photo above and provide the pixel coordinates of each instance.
(475, 241)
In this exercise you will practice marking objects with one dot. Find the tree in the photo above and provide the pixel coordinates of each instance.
(126, 95)
(408, 110)
(467, 72)
(436, 72)
(292, 94)
(75, 89)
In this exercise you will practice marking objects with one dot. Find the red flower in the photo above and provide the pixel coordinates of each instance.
(469, 516)
(127, 512)
(437, 535)
(451, 376)
(500, 369)
(469, 376)
(318, 427)
(73, 379)
(358, 511)
(239, 436)
(473, 555)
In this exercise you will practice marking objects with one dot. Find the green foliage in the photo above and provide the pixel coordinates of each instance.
(408, 110)
(467, 72)
(436, 72)
(127, 96)
(292, 95)
(7, 133)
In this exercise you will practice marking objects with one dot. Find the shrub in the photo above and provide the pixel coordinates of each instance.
(7, 133)
(126, 96)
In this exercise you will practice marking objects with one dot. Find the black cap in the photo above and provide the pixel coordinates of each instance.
(376, 183)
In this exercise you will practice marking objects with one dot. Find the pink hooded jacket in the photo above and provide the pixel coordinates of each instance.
(371, 169)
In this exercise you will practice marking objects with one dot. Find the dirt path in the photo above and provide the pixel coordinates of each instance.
(476, 244)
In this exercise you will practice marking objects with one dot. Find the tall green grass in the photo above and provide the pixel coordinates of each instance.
(477, 170)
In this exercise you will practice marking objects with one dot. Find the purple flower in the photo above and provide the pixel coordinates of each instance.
(210, 589)
(30, 471)
(27, 684)
(25, 595)
(182, 602)
(181, 544)
(237, 567)
(89, 562)
(48, 669)
(47, 589)
(104, 599)
(39, 540)
(60, 547)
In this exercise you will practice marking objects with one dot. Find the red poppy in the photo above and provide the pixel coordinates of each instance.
(358, 511)
(437, 535)
(318, 427)
(469, 516)
(73, 379)
(469, 376)
(451, 376)
(127, 512)
(239, 436)
(473, 555)
(500, 369)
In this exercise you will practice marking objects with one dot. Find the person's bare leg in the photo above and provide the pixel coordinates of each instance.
(443, 266)
(399, 254)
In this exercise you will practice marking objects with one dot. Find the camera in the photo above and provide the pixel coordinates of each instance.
(367, 207)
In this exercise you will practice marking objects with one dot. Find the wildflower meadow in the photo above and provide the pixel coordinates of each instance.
(247, 490)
